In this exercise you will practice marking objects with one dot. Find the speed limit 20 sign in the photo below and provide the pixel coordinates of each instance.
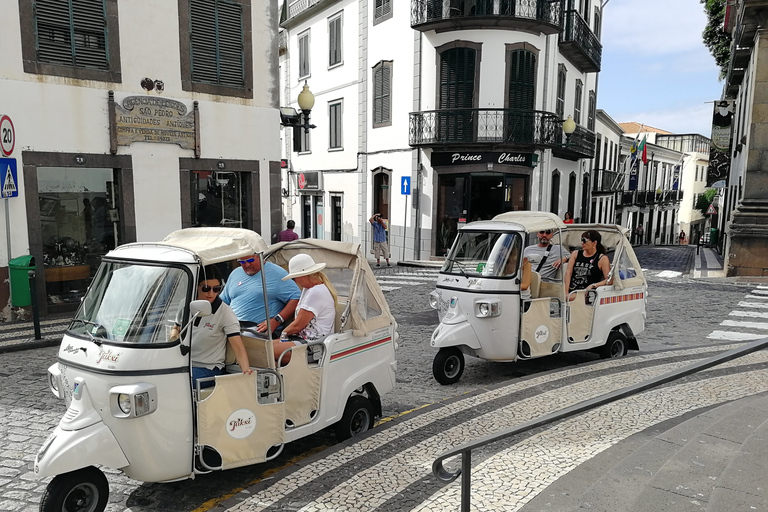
(7, 136)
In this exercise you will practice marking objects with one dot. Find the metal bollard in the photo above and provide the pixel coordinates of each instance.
(35, 309)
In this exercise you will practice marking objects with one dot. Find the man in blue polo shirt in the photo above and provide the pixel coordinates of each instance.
(245, 295)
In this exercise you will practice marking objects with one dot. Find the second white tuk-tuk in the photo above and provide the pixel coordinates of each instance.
(125, 375)
(484, 312)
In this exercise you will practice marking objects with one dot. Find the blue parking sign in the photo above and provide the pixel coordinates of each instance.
(405, 185)
(8, 177)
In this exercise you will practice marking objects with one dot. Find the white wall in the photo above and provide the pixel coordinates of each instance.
(57, 114)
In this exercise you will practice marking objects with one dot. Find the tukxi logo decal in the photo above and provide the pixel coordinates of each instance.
(241, 423)
(108, 356)
(542, 334)
(69, 349)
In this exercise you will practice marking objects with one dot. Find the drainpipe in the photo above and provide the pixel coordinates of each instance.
(543, 160)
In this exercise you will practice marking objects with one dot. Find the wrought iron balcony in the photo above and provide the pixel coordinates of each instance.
(543, 16)
(650, 197)
(579, 44)
(499, 128)
(604, 180)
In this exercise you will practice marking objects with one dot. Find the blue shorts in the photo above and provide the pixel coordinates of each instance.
(201, 373)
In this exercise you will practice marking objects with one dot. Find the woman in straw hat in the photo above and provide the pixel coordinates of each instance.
(316, 311)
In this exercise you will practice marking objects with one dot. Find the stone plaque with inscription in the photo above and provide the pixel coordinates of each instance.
(152, 119)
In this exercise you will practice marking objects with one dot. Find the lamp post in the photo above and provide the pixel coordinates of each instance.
(306, 101)
(290, 117)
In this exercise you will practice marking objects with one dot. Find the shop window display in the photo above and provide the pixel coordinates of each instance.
(79, 224)
(219, 198)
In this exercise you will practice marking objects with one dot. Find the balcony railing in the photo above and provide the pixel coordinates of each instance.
(604, 180)
(544, 16)
(518, 129)
(650, 197)
(299, 6)
(579, 44)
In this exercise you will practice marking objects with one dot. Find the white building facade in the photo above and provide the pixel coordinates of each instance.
(451, 111)
(130, 123)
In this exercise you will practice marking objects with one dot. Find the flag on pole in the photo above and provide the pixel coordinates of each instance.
(641, 148)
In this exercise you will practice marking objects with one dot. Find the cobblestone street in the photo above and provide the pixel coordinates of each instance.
(682, 314)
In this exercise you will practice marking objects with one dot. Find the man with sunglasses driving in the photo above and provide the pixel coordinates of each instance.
(546, 258)
(245, 295)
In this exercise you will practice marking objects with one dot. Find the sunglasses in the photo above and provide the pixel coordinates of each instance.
(546, 232)
(585, 240)
(249, 260)
(207, 288)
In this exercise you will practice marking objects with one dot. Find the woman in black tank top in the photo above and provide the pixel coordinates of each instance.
(589, 267)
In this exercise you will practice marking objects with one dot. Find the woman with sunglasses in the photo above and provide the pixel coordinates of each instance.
(589, 267)
(316, 311)
(211, 334)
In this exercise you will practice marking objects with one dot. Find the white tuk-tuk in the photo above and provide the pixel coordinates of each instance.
(483, 313)
(130, 401)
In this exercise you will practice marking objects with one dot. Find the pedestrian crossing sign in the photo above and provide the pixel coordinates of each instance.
(8, 177)
(711, 210)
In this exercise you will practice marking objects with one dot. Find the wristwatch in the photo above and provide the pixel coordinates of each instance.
(279, 319)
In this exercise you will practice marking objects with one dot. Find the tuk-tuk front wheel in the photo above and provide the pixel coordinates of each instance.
(84, 490)
(616, 346)
(358, 418)
(448, 365)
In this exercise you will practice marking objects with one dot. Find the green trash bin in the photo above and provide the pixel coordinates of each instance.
(713, 237)
(18, 271)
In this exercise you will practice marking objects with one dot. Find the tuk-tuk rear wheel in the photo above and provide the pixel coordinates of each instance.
(84, 490)
(358, 418)
(615, 347)
(448, 365)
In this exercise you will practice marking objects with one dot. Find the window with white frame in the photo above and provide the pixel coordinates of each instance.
(560, 104)
(301, 138)
(304, 54)
(335, 111)
(334, 40)
(382, 94)
(577, 101)
(382, 11)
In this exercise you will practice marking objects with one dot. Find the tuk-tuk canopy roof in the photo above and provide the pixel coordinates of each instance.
(532, 221)
(214, 245)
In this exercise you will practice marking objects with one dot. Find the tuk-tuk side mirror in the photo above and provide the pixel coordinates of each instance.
(199, 308)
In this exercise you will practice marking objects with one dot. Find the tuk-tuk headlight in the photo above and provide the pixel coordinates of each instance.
(133, 400)
(434, 299)
(487, 308)
(54, 381)
(124, 402)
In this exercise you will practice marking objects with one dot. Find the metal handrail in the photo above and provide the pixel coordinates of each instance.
(465, 450)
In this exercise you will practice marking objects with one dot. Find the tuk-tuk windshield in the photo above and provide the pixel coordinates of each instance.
(484, 254)
(132, 303)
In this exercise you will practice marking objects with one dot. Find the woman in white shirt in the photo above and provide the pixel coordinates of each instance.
(316, 311)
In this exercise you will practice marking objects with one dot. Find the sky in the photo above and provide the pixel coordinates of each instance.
(655, 68)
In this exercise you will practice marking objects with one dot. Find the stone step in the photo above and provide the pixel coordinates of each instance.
(674, 465)
(743, 484)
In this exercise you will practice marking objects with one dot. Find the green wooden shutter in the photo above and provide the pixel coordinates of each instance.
(560, 103)
(231, 50)
(72, 32)
(522, 79)
(386, 91)
(334, 43)
(457, 91)
(521, 97)
(216, 35)
(378, 77)
(577, 102)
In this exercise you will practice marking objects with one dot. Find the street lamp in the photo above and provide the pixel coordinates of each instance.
(569, 126)
(290, 117)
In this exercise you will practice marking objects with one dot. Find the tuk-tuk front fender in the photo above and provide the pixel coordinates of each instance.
(68, 450)
(455, 334)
